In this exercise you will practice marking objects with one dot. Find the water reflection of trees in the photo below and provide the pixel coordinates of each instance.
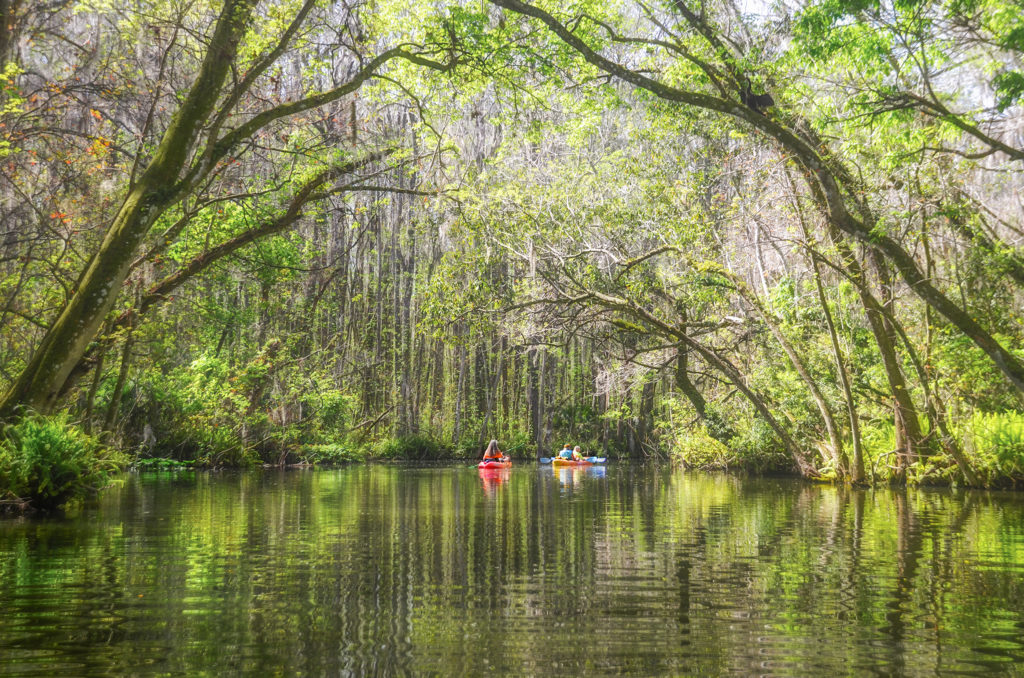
(391, 570)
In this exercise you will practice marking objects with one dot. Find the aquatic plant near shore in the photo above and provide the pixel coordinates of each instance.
(47, 461)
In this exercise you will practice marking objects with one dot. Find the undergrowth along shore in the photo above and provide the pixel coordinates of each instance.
(49, 462)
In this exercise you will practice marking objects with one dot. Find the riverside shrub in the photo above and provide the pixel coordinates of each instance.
(412, 448)
(47, 461)
(995, 445)
(696, 448)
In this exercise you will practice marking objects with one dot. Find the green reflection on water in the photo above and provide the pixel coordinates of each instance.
(386, 570)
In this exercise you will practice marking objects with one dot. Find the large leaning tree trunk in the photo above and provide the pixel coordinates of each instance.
(197, 138)
(713, 359)
(799, 364)
(309, 193)
(100, 283)
(8, 29)
(822, 172)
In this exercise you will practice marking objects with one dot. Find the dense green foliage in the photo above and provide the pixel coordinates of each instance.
(784, 239)
(48, 461)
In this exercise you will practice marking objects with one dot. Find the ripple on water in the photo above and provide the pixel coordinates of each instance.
(404, 571)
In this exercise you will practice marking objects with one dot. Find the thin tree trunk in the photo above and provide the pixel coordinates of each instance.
(459, 395)
(717, 429)
(835, 440)
(908, 431)
(905, 411)
(122, 376)
(91, 398)
(646, 418)
(505, 386)
(440, 384)
(857, 468)
(533, 405)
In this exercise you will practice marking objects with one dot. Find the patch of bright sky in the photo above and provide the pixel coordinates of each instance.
(757, 7)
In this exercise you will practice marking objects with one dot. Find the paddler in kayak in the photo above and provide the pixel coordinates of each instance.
(493, 453)
(577, 455)
(565, 452)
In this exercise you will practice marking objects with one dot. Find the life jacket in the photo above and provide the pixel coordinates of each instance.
(565, 453)
(497, 455)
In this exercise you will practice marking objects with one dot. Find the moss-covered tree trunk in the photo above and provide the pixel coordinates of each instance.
(8, 29)
(66, 340)
(822, 172)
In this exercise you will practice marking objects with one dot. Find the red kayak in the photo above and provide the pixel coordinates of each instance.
(494, 476)
(495, 463)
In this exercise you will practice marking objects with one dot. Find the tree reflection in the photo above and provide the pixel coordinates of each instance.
(401, 571)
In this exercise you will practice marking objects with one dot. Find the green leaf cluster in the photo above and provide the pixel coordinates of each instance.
(49, 461)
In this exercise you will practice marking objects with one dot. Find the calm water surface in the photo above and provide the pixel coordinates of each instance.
(383, 570)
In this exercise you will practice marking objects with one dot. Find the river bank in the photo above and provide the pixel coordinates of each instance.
(46, 462)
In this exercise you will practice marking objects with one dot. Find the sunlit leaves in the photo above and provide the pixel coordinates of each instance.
(1009, 87)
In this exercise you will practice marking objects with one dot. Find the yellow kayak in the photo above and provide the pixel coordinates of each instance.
(558, 461)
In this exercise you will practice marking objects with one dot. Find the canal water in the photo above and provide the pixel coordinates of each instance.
(392, 570)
